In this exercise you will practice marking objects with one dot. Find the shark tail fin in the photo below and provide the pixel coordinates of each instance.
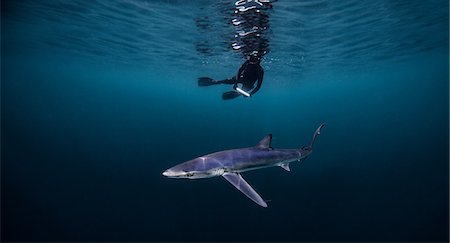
(316, 133)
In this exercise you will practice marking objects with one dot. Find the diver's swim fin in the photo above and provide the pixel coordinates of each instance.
(205, 81)
(230, 95)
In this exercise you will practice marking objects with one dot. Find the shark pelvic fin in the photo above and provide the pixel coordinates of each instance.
(265, 143)
(237, 181)
(285, 166)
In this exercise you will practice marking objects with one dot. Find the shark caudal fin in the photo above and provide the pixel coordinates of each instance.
(316, 133)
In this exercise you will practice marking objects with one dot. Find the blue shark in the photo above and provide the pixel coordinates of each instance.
(231, 163)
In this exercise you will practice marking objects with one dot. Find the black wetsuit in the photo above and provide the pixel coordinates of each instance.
(248, 74)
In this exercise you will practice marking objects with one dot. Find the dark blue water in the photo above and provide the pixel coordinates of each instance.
(99, 98)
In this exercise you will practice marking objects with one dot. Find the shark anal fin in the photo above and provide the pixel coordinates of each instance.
(237, 181)
(285, 166)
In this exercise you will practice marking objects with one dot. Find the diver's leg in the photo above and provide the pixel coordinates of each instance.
(230, 94)
(227, 81)
(205, 81)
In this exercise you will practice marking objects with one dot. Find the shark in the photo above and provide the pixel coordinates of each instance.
(231, 163)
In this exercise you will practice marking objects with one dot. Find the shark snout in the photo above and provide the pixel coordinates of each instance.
(171, 173)
(167, 173)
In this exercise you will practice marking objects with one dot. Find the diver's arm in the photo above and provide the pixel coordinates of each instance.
(239, 74)
(258, 85)
(241, 70)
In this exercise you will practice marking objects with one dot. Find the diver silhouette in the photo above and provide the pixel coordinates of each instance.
(249, 73)
(250, 20)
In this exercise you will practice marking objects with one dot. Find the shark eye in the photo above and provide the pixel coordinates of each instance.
(189, 174)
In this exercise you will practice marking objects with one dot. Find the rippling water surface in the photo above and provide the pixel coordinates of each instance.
(304, 34)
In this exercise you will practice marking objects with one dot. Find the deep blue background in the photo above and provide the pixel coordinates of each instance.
(84, 143)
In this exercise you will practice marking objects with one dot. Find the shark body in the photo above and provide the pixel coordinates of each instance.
(230, 163)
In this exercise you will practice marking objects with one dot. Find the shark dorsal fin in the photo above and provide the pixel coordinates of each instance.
(265, 143)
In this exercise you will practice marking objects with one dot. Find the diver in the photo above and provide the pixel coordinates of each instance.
(249, 73)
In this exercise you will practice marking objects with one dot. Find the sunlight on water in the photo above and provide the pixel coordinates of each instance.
(303, 35)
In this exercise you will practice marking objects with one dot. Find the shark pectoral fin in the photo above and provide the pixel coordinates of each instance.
(285, 166)
(237, 181)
